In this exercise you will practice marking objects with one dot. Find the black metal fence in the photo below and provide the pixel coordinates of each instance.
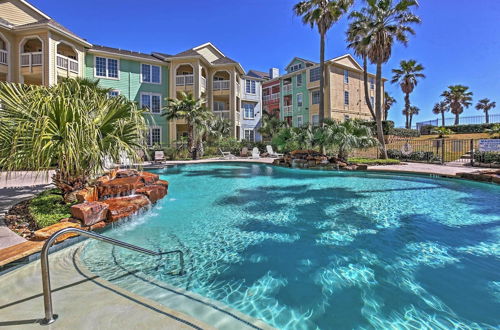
(469, 120)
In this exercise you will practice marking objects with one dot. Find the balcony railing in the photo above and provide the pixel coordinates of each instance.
(184, 80)
(221, 85)
(67, 63)
(287, 110)
(223, 114)
(287, 89)
(31, 59)
(3, 57)
(271, 97)
(203, 82)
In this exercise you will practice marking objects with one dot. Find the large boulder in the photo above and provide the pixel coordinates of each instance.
(90, 213)
(88, 194)
(121, 207)
(45, 233)
(153, 192)
(120, 186)
(149, 178)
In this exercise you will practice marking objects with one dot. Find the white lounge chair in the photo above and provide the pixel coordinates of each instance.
(271, 152)
(255, 153)
(227, 154)
(125, 160)
(159, 156)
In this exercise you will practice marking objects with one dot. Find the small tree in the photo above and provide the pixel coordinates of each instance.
(350, 135)
(441, 108)
(486, 105)
(457, 97)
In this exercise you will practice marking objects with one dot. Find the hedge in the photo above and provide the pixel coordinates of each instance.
(460, 129)
(404, 132)
(427, 156)
(487, 157)
(387, 126)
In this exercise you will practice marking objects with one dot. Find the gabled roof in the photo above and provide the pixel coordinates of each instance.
(123, 52)
(300, 59)
(347, 57)
(258, 74)
(38, 11)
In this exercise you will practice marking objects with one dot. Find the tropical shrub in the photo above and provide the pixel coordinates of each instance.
(494, 131)
(472, 128)
(404, 132)
(487, 157)
(442, 131)
(387, 126)
(427, 156)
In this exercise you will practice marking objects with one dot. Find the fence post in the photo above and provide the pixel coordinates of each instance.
(471, 152)
(442, 151)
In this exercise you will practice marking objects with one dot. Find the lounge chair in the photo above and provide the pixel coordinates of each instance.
(159, 156)
(244, 152)
(271, 152)
(227, 154)
(255, 153)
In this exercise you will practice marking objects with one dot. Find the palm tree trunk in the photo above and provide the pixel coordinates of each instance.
(407, 108)
(457, 118)
(322, 78)
(487, 117)
(442, 118)
(378, 111)
(365, 83)
(411, 118)
(190, 138)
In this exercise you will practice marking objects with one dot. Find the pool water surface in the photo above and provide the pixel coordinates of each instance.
(303, 249)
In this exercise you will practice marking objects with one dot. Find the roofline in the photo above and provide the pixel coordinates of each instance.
(253, 78)
(299, 58)
(98, 51)
(54, 28)
(209, 44)
(35, 9)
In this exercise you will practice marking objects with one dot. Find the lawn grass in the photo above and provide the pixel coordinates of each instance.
(372, 161)
(48, 207)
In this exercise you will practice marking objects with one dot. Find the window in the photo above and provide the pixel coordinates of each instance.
(346, 98)
(372, 83)
(372, 101)
(314, 74)
(106, 67)
(315, 120)
(346, 77)
(300, 121)
(250, 86)
(151, 101)
(248, 111)
(219, 106)
(154, 136)
(249, 134)
(150, 74)
(299, 80)
(315, 97)
(299, 99)
(113, 93)
(295, 67)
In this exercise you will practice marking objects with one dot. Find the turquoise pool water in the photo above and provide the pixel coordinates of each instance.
(303, 249)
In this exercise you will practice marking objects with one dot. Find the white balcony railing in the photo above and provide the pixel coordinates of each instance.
(203, 82)
(4, 57)
(287, 110)
(238, 88)
(224, 114)
(31, 59)
(271, 97)
(184, 80)
(221, 85)
(287, 89)
(67, 63)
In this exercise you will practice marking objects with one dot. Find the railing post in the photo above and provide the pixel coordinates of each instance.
(471, 152)
(442, 151)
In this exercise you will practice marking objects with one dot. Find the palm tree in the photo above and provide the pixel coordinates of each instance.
(72, 126)
(407, 75)
(270, 125)
(440, 108)
(190, 109)
(414, 110)
(322, 14)
(349, 135)
(387, 22)
(486, 105)
(388, 103)
(457, 97)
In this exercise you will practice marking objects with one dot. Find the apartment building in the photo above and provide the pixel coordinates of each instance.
(251, 104)
(271, 93)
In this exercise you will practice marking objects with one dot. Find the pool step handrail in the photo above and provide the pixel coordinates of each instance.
(50, 317)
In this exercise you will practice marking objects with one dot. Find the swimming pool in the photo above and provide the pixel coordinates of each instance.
(302, 249)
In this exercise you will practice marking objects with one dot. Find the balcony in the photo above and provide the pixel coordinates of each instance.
(271, 98)
(184, 80)
(4, 57)
(203, 83)
(223, 114)
(31, 59)
(66, 63)
(287, 110)
(287, 89)
(220, 85)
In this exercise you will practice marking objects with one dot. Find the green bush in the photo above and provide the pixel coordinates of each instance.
(373, 161)
(487, 157)
(48, 207)
(427, 156)
(426, 129)
(460, 129)
(387, 126)
(404, 132)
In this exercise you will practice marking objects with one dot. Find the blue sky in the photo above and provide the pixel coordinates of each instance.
(458, 41)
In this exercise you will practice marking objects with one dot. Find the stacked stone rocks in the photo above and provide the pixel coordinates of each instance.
(316, 160)
(485, 176)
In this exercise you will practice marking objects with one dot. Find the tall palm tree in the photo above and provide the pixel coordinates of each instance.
(457, 97)
(72, 126)
(388, 22)
(388, 103)
(407, 75)
(322, 14)
(190, 109)
(413, 111)
(486, 105)
(440, 108)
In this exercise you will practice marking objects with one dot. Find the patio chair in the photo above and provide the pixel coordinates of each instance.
(159, 156)
(227, 154)
(244, 152)
(271, 152)
(125, 160)
(255, 153)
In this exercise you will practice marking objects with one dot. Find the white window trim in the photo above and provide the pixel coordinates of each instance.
(107, 58)
(250, 130)
(244, 113)
(151, 100)
(115, 90)
(346, 78)
(249, 81)
(297, 80)
(151, 72)
(302, 100)
(312, 97)
(301, 119)
(150, 132)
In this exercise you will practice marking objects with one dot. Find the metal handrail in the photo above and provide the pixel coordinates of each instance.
(50, 317)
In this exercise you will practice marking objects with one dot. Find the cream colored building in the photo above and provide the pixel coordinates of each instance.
(207, 73)
(35, 49)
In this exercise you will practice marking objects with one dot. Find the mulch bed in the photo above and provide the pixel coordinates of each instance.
(19, 220)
